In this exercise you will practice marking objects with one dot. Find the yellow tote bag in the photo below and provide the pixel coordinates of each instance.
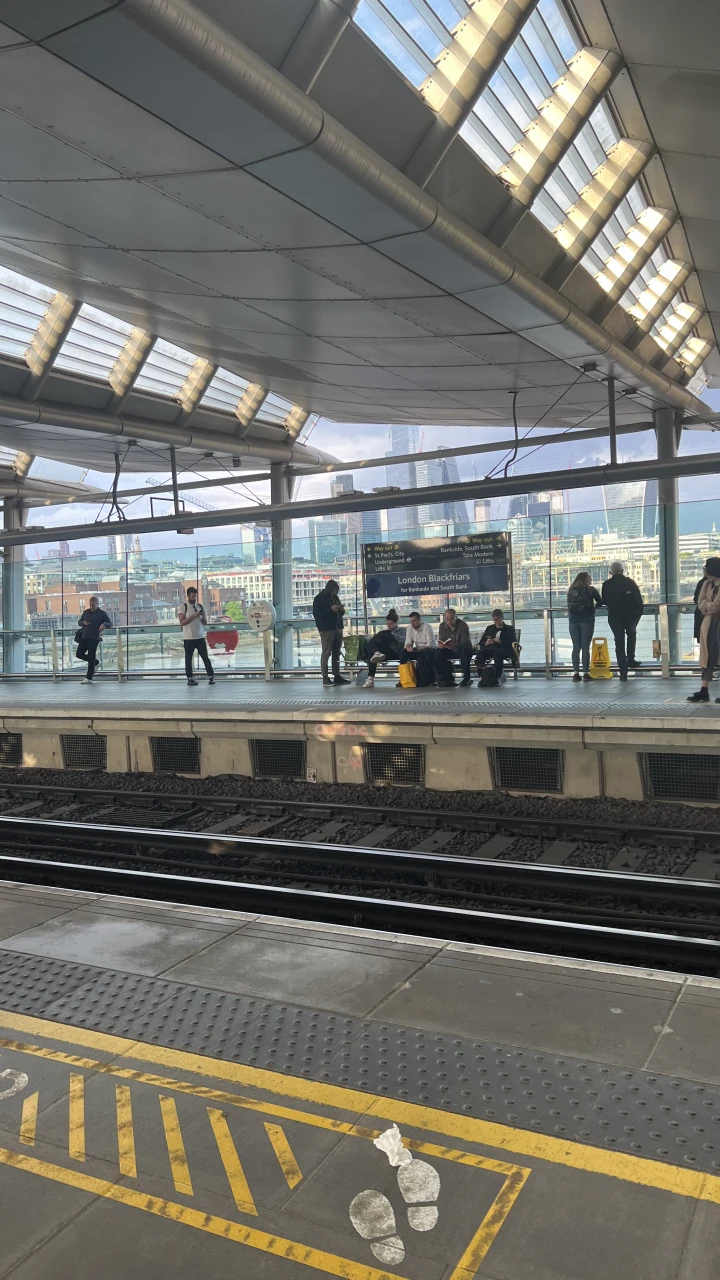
(408, 679)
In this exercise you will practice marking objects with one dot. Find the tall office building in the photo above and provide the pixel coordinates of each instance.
(340, 484)
(328, 540)
(632, 509)
(441, 471)
(403, 475)
(547, 506)
(483, 513)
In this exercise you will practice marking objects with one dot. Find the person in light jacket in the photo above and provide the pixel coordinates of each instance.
(709, 606)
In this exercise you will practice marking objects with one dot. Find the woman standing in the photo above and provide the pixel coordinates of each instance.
(709, 606)
(582, 601)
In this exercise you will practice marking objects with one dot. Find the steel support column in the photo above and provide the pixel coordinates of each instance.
(668, 434)
(13, 592)
(281, 491)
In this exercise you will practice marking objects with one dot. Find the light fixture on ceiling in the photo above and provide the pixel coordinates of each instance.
(561, 117)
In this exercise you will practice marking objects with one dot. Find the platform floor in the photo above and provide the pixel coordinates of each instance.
(647, 697)
(195, 1092)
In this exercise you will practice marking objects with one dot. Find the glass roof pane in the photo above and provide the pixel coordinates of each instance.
(275, 409)
(397, 45)
(93, 344)
(431, 36)
(224, 391)
(558, 26)
(165, 369)
(23, 304)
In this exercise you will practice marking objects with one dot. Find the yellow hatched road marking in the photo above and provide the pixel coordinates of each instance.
(317, 1259)
(231, 1162)
(572, 1155)
(125, 1132)
(175, 1146)
(28, 1122)
(477, 1250)
(76, 1136)
(284, 1153)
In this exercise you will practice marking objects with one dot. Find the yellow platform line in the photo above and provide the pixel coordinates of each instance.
(28, 1122)
(284, 1153)
(175, 1146)
(76, 1133)
(125, 1132)
(279, 1247)
(478, 1248)
(231, 1161)
(520, 1142)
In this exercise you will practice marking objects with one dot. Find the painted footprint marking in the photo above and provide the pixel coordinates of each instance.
(373, 1216)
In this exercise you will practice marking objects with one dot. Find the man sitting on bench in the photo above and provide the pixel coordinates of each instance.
(496, 644)
(385, 645)
(453, 642)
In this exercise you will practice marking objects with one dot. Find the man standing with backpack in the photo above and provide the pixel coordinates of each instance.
(623, 600)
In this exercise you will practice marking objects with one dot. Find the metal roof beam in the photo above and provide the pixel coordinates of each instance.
(671, 337)
(498, 486)
(480, 42)
(127, 367)
(598, 201)
(633, 253)
(663, 287)
(561, 117)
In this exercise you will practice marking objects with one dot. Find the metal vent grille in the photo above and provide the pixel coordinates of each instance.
(528, 768)
(285, 758)
(11, 751)
(671, 776)
(175, 755)
(398, 763)
(84, 750)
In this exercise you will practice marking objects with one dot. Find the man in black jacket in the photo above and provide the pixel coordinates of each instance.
(328, 614)
(624, 603)
(496, 644)
(453, 642)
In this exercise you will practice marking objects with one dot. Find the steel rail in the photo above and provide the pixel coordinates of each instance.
(449, 923)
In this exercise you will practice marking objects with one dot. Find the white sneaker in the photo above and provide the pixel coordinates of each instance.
(369, 683)
(86, 681)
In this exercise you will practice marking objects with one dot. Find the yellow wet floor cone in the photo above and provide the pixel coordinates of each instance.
(600, 660)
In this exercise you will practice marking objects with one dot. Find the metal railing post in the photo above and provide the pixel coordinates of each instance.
(548, 643)
(54, 654)
(664, 640)
(120, 655)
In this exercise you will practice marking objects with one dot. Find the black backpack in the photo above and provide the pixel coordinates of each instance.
(578, 600)
(489, 677)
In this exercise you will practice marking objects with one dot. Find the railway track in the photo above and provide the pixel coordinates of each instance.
(556, 841)
(581, 911)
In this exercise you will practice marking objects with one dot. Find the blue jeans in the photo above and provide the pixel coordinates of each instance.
(581, 633)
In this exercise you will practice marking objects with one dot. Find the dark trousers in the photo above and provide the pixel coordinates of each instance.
(492, 653)
(331, 646)
(424, 666)
(625, 633)
(581, 633)
(86, 652)
(201, 646)
(443, 659)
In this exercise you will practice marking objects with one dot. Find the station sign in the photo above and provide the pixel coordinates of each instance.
(474, 563)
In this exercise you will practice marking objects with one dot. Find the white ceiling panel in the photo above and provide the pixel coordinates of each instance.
(406, 351)
(548, 373)
(364, 377)
(126, 214)
(122, 55)
(683, 107)
(70, 105)
(268, 26)
(437, 263)
(310, 180)
(38, 19)
(446, 316)
(502, 347)
(508, 308)
(239, 200)
(114, 267)
(660, 31)
(299, 347)
(8, 37)
(18, 222)
(364, 270)
(361, 319)
(695, 181)
(710, 281)
(471, 377)
(570, 346)
(704, 240)
(249, 274)
(223, 313)
(27, 152)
